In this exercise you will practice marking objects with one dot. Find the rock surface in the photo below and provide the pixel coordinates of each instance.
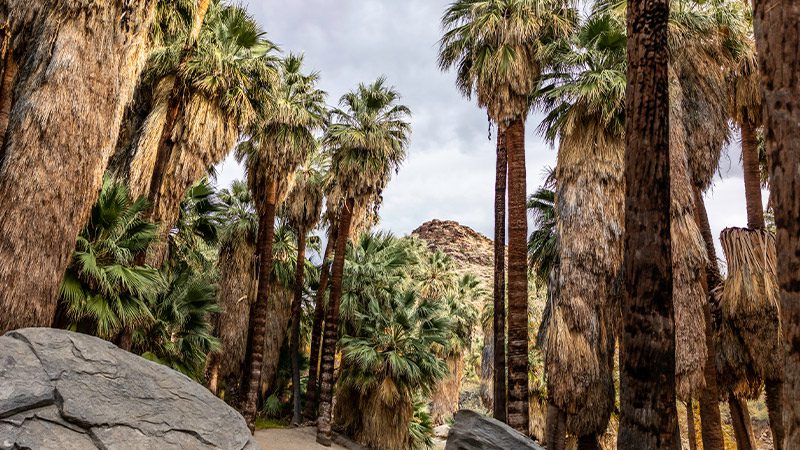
(472, 431)
(64, 390)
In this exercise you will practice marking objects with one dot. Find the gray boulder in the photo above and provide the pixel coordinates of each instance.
(472, 431)
(62, 390)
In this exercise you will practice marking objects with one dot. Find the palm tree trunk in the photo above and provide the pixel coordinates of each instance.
(710, 421)
(258, 317)
(65, 114)
(691, 430)
(588, 442)
(710, 418)
(332, 327)
(294, 346)
(518, 412)
(499, 324)
(742, 427)
(316, 330)
(774, 398)
(556, 424)
(777, 41)
(213, 377)
(487, 367)
(647, 359)
(752, 177)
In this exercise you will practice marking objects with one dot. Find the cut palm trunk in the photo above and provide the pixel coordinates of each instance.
(76, 64)
(316, 331)
(499, 381)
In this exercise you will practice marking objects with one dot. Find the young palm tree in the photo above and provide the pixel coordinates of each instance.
(647, 362)
(368, 138)
(543, 241)
(777, 41)
(281, 138)
(68, 70)
(104, 292)
(237, 277)
(302, 210)
(496, 48)
(201, 80)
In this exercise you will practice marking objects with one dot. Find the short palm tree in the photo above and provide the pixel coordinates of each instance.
(302, 211)
(368, 137)
(497, 48)
(104, 291)
(202, 78)
(281, 137)
(64, 109)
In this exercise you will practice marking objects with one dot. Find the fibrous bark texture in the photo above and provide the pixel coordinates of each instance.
(647, 359)
(499, 384)
(78, 63)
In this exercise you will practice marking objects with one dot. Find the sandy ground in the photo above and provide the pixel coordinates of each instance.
(291, 439)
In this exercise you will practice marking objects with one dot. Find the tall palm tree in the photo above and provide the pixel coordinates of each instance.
(237, 276)
(496, 47)
(69, 70)
(777, 40)
(200, 103)
(368, 138)
(584, 97)
(302, 210)
(292, 109)
(647, 362)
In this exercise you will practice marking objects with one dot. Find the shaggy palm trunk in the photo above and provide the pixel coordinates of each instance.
(647, 360)
(294, 346)
(556, 428)
(444, 400)
(518, 412)
(487, 367)
(258, 317)
(710, 395)
(332, 327)
(778, 41)
(316, 330)
(78, 63)
(499, 321)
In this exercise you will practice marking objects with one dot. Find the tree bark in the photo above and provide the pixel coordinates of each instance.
(691, 431)
(332, 327)
(316, 330)
(499, 320)
(294, 346)
(518, 412)
(8, 73)
(648, 417)
(710, 418)
(777, 42)
(742, 428)
(258, 317)
(752, 176)
(78, 65)
(556, 424)
(213, 377)
(774, 398)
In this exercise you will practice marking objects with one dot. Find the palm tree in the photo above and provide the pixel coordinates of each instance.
(68, 72)
(584, 98)
(776, 31)
(496, 48)
(281, 138)
(237, 277)
(104, 292)
(368, 138)
(543, 241)
(302, 210)
(201, 100)
(647, 363)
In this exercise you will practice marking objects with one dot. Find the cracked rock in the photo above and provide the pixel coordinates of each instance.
(60, 389)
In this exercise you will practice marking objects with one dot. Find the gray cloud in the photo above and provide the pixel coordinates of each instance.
(450, 170)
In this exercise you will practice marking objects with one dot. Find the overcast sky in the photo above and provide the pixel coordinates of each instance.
(449, 173)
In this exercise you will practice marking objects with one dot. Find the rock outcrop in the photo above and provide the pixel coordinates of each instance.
(472, 431)
(64, 390)
(471, 251)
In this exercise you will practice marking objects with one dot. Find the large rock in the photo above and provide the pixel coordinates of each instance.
(64, 390)
(472, 431)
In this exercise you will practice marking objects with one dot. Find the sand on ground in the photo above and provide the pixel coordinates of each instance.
(304, 438)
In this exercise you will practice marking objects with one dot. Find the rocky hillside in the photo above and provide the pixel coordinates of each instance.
(471, 251)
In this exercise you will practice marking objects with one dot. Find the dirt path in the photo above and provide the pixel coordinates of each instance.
(291, 439)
